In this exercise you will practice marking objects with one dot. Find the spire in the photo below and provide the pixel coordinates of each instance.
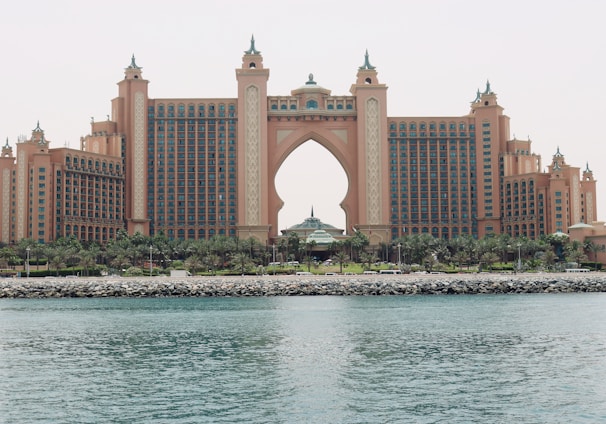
(252, 49)
(488, 90)
(586, 166)
(312, 211)
(133, 65)
(558, 154)
(6, 145)
(367, 64)
(38, 129)
(478, 95)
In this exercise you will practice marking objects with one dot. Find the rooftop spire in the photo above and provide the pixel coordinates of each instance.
(586, 165)
(252, 49)
(38, 129)
(478, 95)
(312, 211)
(6, 145)
(558, 154)
(133, 65)
(488, 90)
(367, 64)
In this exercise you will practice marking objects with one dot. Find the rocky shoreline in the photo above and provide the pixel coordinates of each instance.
(340, 285)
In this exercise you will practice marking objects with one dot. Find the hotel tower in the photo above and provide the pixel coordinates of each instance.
(197, 167)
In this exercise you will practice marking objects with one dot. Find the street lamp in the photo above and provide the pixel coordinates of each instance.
(519, 258)
(151, 248)
(273, 247)
(399, 256)
(27, 261)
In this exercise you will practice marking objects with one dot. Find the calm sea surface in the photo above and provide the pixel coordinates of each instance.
(420, 359)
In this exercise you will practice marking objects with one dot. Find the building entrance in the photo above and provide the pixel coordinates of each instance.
(353, 128)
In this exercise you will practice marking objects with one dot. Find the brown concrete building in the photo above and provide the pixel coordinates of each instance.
(50, 193)
(194, 168)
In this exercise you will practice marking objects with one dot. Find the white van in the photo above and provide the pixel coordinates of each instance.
(390, 271)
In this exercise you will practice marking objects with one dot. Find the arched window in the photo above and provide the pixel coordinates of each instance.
(311, 104)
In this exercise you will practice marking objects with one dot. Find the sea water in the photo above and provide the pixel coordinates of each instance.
(418, 359)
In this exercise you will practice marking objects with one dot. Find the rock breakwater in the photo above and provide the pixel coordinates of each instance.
(340, 285)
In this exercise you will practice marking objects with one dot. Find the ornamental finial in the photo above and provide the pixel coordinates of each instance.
(488, 90)
(478, 95)
(133, 65)
(367, 64)
(252, 49)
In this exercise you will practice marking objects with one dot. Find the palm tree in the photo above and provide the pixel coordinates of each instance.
(367, 259)
(489, 258)
(56, 263)
(193, 264)
(341, 257)
(120, 262)
(460, 258)
(594, 248)
(550, 258)
(309, 247)
(87, 260)
(7, 256)
(358, 242)
(240, 260)
(212, 261)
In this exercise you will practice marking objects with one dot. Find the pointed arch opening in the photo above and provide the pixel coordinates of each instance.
(311, 177)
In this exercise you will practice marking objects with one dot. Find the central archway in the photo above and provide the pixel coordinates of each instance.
(352, 128)
(302, 183)
(282, 143)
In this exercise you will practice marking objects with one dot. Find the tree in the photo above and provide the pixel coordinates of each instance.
(429, 261)
(358, 242)
(193, 264)
(7, 256)
(367, 259)
(550, 258)
(489, 258)
(213, 262)
(594, 248)
(56, 263)
(341, 257)
(460, 258)
(240, 261)
(309, 258)
(294, 246)
(87, 260)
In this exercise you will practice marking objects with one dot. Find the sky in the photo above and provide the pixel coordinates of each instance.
(61, 60)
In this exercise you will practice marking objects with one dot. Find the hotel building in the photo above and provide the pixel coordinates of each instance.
(193, 168)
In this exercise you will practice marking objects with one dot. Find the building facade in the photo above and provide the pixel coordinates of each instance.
(51, 193)
(194, 168)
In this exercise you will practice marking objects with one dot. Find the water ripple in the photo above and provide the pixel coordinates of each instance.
(523, 359)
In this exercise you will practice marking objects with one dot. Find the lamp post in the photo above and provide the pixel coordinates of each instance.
(399, 256)
(151, 248)
(519, 257)
(273, 248)
(27, 261)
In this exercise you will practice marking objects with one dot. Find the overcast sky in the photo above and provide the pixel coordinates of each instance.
(61, 61)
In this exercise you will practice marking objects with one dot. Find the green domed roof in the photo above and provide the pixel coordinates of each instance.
(320, 237)
(311, 223)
